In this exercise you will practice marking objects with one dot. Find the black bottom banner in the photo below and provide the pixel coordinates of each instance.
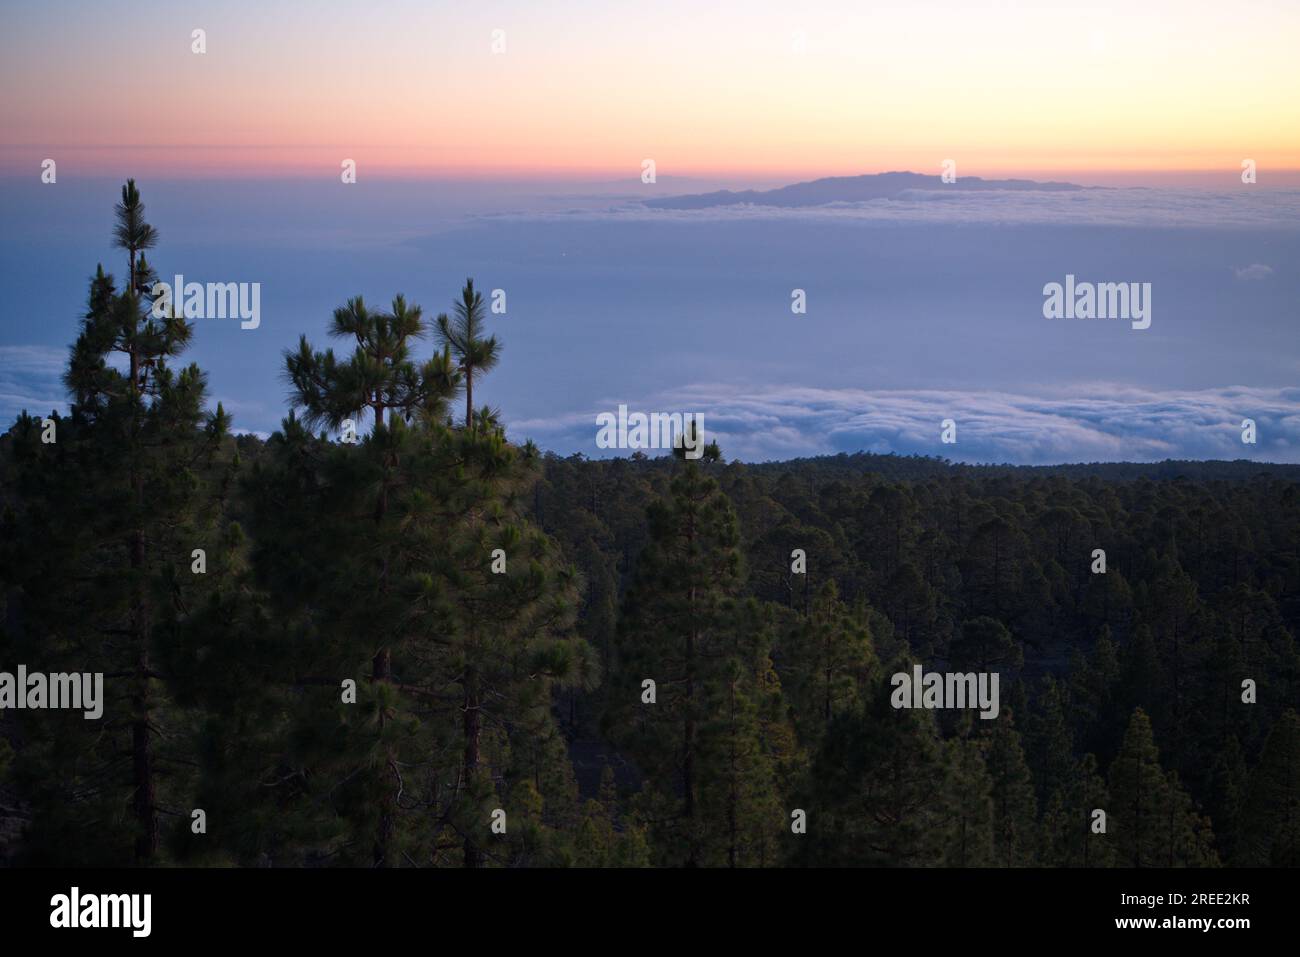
(184, 906)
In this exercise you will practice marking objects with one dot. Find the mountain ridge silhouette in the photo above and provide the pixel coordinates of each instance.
(851, 189)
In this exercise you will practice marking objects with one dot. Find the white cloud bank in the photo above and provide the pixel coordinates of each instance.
(1098, 423)
(1255, 271)
(31, 379)
(1160, 207)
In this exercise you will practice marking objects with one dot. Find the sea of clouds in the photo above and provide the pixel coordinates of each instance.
(920, 308)
(1099, 422)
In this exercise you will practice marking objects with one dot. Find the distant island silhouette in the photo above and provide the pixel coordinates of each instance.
(850, 189)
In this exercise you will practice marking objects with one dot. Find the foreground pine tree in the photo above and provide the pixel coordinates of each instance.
(1271, 812)
(970, 825)
(604, 838)
(103, 554)
(696, 730)
(1153, 820)
(1070, 826)
(463, 334)
(421, 624)
(881, 788)
(1015, 808)
(827, 658)
(380, 379)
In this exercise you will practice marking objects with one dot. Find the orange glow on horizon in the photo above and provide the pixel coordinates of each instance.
(1006, 89)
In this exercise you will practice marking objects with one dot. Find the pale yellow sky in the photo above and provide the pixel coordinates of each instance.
(584, 88)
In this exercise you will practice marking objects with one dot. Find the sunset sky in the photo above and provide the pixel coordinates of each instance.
(588, 89)
(522, 169)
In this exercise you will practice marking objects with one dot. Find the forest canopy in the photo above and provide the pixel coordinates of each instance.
(428, 645)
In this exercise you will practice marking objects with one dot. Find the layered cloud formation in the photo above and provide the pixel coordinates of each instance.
(1239, 206)
(920, 308)
(1098, 423)
(31, 379)
(1103, 423)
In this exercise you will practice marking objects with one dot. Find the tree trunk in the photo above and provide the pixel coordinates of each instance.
(688, 772)
(144, 800)
(688, 731)
(472, 730)
(1137, 818)
(381, 670)
(733, 797)
(146, 841)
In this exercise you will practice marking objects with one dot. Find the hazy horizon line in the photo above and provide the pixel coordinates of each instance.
(1208, 177)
